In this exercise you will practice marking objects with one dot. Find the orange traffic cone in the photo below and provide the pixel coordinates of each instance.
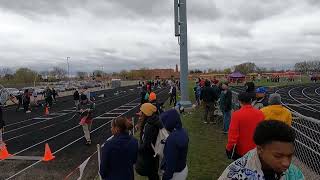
(46, 111)
(47, 154)
(4, 154)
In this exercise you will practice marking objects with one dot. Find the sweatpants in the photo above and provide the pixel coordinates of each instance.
(86, 130)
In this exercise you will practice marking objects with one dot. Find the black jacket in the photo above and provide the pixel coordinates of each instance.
(209, 94)
(2, 124)
(228, 101)
(76, 96)
(148, 164)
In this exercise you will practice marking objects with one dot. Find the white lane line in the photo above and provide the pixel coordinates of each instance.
(289, 93)
(16, 129)
(42, 118)
(112, 113)
(25, 158)
(104, 118)
(28, 167)
(50, 119)
(304, 94)
(121, 109)
(106, 100)
(316, 91)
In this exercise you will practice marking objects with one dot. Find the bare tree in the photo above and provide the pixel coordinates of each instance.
(58, 72)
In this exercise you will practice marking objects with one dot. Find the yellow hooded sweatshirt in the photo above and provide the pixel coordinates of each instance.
(277, 112)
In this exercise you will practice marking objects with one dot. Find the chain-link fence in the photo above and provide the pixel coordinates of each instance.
(307, 145)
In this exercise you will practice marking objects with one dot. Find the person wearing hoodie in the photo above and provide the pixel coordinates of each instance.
(175, 150)
(150, 124)
(153, 101)
(250, 88)
(275, 111)
(119, 154)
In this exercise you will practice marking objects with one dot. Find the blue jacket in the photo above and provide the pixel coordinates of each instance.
(176, 147)
(118, 157)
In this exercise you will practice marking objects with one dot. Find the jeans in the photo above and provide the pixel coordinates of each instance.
(226, 120)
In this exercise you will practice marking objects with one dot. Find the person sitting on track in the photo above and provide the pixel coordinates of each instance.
(119, 153)
(87, 108)
(271, 159)
(276, 111)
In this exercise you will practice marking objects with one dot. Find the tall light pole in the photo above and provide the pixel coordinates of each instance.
(68, 68)
(180, 14)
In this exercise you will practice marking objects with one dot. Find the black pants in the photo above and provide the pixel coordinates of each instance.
(18, 106)
(173, 99)
(49, 101)
(26, 106)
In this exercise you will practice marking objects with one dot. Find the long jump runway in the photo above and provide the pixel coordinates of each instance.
(26, 135)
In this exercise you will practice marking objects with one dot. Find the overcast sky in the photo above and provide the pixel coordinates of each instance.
(129, 34)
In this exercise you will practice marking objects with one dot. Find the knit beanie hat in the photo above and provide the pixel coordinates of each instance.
(148, 109)
(152, 96)
(275, 99)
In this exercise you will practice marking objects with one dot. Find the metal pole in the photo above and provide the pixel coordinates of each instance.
(99, 158)
(183, 53)
(68, 68)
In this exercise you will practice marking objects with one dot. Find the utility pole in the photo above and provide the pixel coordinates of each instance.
(68, 69)
(180, 14)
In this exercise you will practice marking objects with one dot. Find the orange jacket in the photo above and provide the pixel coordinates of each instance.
(243, 124)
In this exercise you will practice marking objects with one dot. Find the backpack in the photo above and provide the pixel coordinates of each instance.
(159, 145)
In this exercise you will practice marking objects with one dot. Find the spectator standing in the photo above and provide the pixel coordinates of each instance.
(271, 159)
(175, 151)
(197, 93)
(54, 94)
(119, 154)
(275, 111)
(26, 101)
(226, 106)
(243, 124)
(48, 97)
(76, 98)
(209, 98)
(147, 164)
(35, 96)
(173, 94)
(261, 99)
(250, 88)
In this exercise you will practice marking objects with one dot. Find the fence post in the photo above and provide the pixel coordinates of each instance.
(99, 159)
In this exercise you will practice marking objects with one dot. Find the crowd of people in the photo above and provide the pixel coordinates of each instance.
(160, 152)
(260, 136)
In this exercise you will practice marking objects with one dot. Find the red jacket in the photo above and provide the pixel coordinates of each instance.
(243, 124)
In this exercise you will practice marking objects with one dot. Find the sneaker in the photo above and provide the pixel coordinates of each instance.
(205, 122)
(224, 132)
(28, 111)
(88, 143)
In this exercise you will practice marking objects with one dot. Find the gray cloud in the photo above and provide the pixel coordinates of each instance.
(125, 34)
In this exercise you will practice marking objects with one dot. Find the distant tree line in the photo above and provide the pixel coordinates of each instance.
(307, 67)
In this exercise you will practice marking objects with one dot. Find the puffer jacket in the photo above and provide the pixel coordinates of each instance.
(277, 112)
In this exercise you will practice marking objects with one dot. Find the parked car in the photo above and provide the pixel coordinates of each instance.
(60, 88)
(13, 91)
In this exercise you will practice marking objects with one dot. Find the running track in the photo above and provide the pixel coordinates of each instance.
(26, 134)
